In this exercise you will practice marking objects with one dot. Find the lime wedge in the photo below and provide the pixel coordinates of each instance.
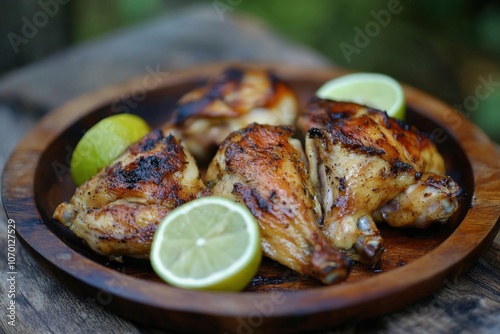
(103, 143)
(210, 243)
(372, 89)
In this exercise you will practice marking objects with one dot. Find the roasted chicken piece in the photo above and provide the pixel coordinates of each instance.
(260, 166)
(413, 146)
(116, 212)
(320, 113)
(431, 199)
(364, 164)
(206, 115)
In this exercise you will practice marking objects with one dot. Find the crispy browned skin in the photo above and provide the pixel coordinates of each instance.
(206, 115)
(399, 141)
(319, 113)
(260, 166)
(362, 161)
(432, 199)
(116, 212)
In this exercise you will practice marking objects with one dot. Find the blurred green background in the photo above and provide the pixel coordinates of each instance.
(448, 48)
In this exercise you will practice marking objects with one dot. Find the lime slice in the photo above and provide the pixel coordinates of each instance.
(374, 90)
(103, 143)
(210, 243)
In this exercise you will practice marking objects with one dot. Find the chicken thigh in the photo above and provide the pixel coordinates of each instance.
(365, 164)
(260, 167)
(206, 115)
(116, 212)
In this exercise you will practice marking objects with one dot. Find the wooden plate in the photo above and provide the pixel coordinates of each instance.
(416, 263)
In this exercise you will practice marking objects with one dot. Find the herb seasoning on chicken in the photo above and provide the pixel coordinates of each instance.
(116, 211)
(260, 166)
(364, 164)
(206, 115)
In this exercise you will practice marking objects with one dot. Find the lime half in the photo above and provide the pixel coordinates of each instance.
(103, 143)
(372, 89)
(210, 243)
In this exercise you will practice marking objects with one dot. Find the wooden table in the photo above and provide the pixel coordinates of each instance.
(471, 304)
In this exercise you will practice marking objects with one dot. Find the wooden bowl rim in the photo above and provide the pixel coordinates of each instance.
(428, 273)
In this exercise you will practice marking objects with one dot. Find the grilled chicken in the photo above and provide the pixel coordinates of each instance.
(260, 167)
(363, 165)
(320, 113)
(116, 212)
(206, 115)
(402, 140)
(431, 199)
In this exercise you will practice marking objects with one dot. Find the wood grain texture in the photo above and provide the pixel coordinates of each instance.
(415, 265)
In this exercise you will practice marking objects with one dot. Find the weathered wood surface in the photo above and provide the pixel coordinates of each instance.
(471, 303)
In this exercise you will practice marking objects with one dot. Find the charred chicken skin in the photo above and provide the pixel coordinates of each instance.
(116, 212)
(364, 164)
(314, 208)
(260, 166)
(206, 115)
(432, 199)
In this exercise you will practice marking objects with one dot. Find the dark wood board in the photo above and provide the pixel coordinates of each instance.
(415, 264)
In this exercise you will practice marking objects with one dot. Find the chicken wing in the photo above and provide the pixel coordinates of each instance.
(260, 166)
(362, 161)
(116, 212)
(431, 199)
(206, 115)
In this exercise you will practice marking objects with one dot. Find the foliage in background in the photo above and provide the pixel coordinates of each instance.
(94, 17)
(442, 47)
